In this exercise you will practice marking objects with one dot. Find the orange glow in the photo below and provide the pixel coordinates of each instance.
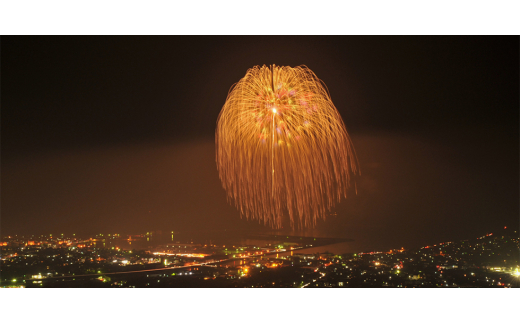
(189, 255)
(282, 148)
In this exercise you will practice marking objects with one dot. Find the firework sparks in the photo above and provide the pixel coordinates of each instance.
(282, 147)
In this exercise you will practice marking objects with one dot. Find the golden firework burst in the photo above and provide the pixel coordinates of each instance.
(282, 147)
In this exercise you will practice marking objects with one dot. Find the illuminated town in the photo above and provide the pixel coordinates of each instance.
(114, 260)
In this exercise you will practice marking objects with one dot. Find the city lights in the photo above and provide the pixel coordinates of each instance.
(456, 264)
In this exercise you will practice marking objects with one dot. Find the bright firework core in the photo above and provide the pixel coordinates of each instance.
(295, 161)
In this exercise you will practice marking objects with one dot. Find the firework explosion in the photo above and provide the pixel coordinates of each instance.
(282, 147)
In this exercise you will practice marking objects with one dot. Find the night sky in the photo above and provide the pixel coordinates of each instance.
(116, 134)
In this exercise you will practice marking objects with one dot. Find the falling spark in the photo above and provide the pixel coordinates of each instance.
(282, 147)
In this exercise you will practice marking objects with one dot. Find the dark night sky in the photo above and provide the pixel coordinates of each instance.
(117, 133)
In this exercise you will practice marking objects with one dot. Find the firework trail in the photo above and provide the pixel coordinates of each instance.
(282, 147)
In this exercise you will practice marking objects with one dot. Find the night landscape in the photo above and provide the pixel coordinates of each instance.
(116, 173)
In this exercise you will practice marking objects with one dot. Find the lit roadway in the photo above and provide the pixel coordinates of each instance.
(314, 280)
(123, 272)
